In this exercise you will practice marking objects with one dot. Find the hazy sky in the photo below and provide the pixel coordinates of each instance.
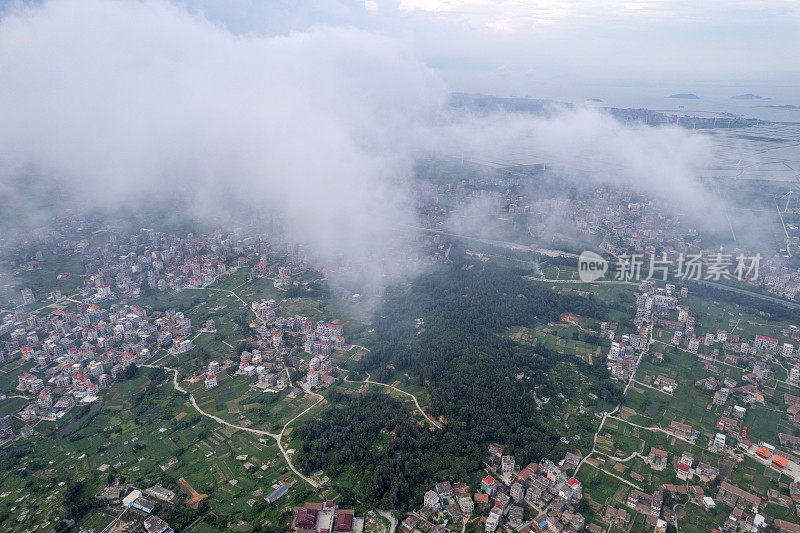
(548, 47)
(316, 114)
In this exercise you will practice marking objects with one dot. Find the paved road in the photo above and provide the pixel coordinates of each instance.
(610, 281)
(626, 459)
(662, 391)
(786, 303)
(392, 520)
(657, 429)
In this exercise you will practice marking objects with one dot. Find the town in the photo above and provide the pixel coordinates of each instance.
(224, 347)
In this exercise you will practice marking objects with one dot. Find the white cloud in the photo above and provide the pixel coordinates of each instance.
(134, 101)
(563, 43)
(131, 102)
(520, 15)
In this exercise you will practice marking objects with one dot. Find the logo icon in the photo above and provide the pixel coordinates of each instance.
(591, 266)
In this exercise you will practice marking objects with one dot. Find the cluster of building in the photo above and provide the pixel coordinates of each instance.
(318, 338)
(325, 517)
(76, 353)
(131, 264)
(618, 220)
(545, 488)
(662, 307)
(140, 504)
(623, 355)
(650, 505)
(269, 373)
(657, 515)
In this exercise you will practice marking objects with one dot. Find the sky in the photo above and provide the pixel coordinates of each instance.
(548, 48)
(312, 112)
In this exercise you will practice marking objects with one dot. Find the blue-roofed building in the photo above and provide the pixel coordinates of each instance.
(277, 493)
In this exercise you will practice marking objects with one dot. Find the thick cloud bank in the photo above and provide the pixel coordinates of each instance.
(129, 102)
(664, 162)
(135, 101)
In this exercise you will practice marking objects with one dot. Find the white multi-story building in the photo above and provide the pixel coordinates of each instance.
(694, 344)
(507, 465)
(27, 296)
(432, 500)
(493, 521)
(765, 343)
(787, 350)
(466, 504)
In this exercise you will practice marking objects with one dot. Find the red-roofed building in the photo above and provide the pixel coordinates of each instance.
(305, 518)
(764, 453)
(344, 521)
(489, 485)
(572, 491)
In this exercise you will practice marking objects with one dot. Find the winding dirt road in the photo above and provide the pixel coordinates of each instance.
(276, 436)
(401, 391)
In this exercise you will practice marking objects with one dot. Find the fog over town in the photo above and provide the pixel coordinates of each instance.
(409, 265)
(127, 103)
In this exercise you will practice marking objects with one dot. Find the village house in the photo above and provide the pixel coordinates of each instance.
(666, 384)
(466, 504)
(736, 497)
(658, 458)
(154, 524)
(681, 430)
(617, 516)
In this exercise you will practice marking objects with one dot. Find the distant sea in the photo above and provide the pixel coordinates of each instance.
(712, 100)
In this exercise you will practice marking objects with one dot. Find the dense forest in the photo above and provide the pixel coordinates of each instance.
(388, 457)
(443, 331)
(487, 387)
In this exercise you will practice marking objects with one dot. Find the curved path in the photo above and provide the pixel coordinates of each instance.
(276, 436)
(658, 430)
(626, 459)
(230, 292)
(390, 517)
(401, 391)
(594, 444)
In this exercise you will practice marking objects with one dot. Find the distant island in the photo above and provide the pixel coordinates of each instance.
(748, 96)
(593, 100)
(784, 106)
(685, 96)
